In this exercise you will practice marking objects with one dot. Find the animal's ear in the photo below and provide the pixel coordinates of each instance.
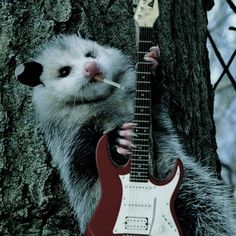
(29, 73)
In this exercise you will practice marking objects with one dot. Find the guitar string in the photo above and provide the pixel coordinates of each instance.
(142, 87)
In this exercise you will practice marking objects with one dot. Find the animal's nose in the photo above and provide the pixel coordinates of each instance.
(91, 69)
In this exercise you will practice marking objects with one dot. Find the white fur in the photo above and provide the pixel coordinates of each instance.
(62, 108)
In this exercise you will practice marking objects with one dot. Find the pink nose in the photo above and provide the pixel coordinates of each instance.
(91, 69)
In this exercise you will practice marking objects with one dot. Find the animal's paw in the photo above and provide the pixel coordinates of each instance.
(152, 56)
(125, 140)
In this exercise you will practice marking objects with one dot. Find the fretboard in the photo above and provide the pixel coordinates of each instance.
(142, 117)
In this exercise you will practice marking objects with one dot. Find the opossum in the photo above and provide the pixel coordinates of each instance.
(74, 111)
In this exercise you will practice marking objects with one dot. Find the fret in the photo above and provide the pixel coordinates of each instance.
(143, 82)
(142, 155)
(143, 165)
(140, 181)
(143, 73)
(134, 179)
(144, 63)
(144, 66)
(138, 142)
(143, 96)
(141, 171)
(140, 152)
(143, 78)
(142, 52)
(140, 146)
(143, 99)
(144, 45)
(144, 91)
(139, 174)
(144, 109)
(140, 91)
(145, 41)
(140, 162)
(145, 131)
(142, 143)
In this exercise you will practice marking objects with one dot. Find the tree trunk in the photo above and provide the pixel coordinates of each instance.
(32, 200)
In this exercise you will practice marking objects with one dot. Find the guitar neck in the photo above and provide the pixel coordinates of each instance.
(142, 117)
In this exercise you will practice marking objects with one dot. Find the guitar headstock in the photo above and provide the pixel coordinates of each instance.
(146, 12)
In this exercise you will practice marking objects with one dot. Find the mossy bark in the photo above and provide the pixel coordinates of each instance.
(32, 200)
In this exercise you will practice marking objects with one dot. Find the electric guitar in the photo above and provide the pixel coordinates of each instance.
(132, 201)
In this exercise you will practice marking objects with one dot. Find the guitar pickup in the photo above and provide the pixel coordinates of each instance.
(136, 223)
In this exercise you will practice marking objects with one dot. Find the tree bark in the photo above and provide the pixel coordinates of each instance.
(32, 200)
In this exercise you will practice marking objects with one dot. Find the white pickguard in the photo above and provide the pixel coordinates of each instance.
(145, 208)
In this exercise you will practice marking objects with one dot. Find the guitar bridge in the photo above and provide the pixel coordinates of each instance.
(136, 223)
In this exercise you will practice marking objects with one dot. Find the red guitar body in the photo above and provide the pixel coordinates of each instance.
(104, 219)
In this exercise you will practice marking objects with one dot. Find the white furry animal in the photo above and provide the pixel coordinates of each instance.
(73, 112)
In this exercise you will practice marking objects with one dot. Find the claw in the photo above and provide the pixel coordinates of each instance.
(123, 151)
(125, 143)
(155, 49)
(152, 56)
(127, 133)
(128, 125)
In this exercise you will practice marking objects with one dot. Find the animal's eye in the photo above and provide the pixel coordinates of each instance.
(64, 71)
(90, 54)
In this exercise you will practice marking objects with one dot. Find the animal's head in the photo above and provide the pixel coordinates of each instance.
(67, 64)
